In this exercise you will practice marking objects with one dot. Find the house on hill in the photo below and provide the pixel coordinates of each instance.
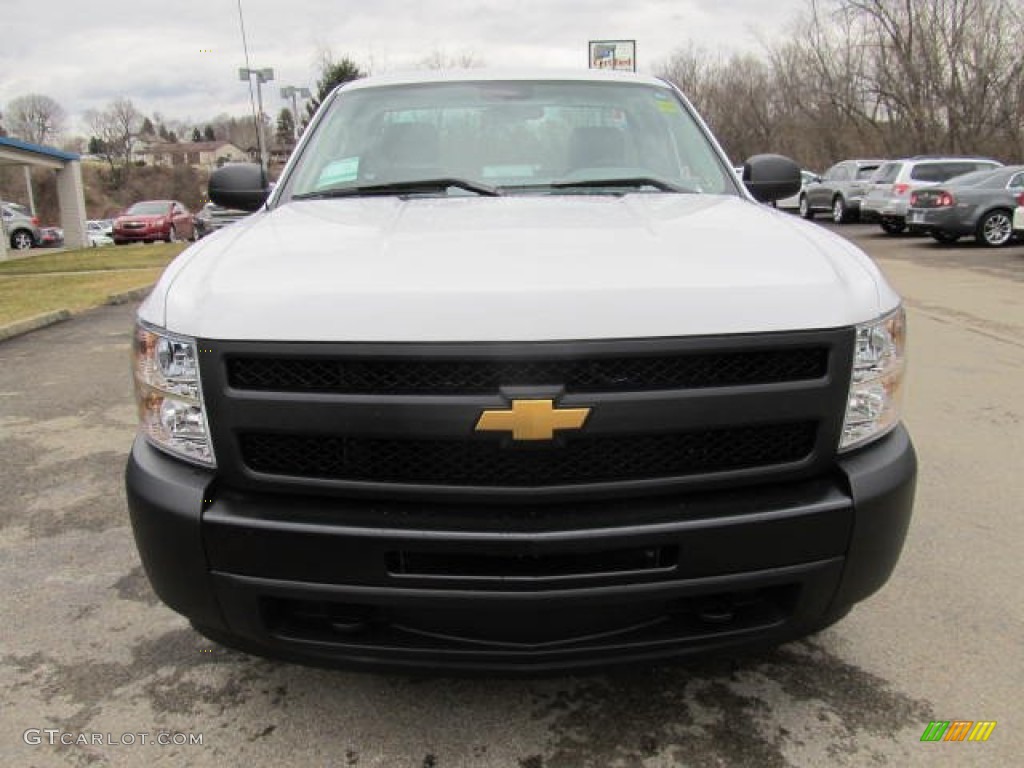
(207, 155)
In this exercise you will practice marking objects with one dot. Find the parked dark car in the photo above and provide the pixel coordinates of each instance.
(839, 191)
(213, 217)
(152, 220)
(979, 204)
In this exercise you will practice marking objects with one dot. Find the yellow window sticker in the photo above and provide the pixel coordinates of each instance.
(667, 106)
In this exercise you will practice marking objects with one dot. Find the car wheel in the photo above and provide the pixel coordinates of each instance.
(839, 213)
(172, 235)
(995, 229)
(944, 237)
(22, 240)
(805, 208)
(892, 227)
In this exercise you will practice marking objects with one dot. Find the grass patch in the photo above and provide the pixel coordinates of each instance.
(136, 256)
(25, 296)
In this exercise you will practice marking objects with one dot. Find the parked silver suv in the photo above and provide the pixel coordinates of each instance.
(20, 226)
(888, 198)
(839, 191)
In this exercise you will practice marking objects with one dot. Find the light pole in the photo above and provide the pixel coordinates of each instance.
(290, 91)
(264, 75)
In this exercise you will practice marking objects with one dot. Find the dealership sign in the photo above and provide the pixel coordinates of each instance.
(613, 54)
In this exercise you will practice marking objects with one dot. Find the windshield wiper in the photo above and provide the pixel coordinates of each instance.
(401, 187)
(632, 181)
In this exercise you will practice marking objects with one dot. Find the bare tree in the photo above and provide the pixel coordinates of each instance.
(736, 96)
(870, 78)
(441, 59)
(76, 144)
(116, 129)
(694, 70)
(35, 117)
(938, 71)
(825, 75)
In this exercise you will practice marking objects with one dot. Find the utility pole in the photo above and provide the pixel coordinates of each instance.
(264, 75)
(293, 92)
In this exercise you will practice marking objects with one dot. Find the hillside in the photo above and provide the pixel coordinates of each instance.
(102, 200)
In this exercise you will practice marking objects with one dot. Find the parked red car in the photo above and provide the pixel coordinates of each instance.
(151, 220)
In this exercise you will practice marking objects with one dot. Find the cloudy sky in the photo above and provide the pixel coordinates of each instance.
(180, 58)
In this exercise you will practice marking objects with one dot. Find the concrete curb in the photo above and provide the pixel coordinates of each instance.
(33, 323)
(134, 294)
(58, 316)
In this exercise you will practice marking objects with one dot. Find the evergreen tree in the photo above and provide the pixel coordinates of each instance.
(332, 74)
(285, 126)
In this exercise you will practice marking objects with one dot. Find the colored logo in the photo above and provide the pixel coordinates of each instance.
(532, 419)
(958, 730)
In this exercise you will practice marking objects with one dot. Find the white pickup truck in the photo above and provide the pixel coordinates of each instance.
(511, 372)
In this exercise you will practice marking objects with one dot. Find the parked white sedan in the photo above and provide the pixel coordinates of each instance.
(792, 203)
(98, 234)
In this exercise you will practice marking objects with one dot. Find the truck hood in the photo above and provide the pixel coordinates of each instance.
(516, 269)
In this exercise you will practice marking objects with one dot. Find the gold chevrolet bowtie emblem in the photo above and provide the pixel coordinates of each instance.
(532, 419)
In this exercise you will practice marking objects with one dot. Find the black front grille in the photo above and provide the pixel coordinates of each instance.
(487, 463)
(465, 376)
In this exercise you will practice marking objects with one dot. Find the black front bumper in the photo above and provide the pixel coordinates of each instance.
(532, 588)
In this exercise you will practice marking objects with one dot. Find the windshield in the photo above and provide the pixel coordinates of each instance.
(16, 210)
(509, 137)
(149, 208)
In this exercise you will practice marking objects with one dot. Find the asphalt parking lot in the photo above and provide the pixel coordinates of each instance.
(87, 649)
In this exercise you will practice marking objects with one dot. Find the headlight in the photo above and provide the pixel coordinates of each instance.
(876, 385)
(169, 395)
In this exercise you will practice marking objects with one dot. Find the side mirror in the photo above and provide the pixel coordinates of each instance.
(243, 186)
(771, 177)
